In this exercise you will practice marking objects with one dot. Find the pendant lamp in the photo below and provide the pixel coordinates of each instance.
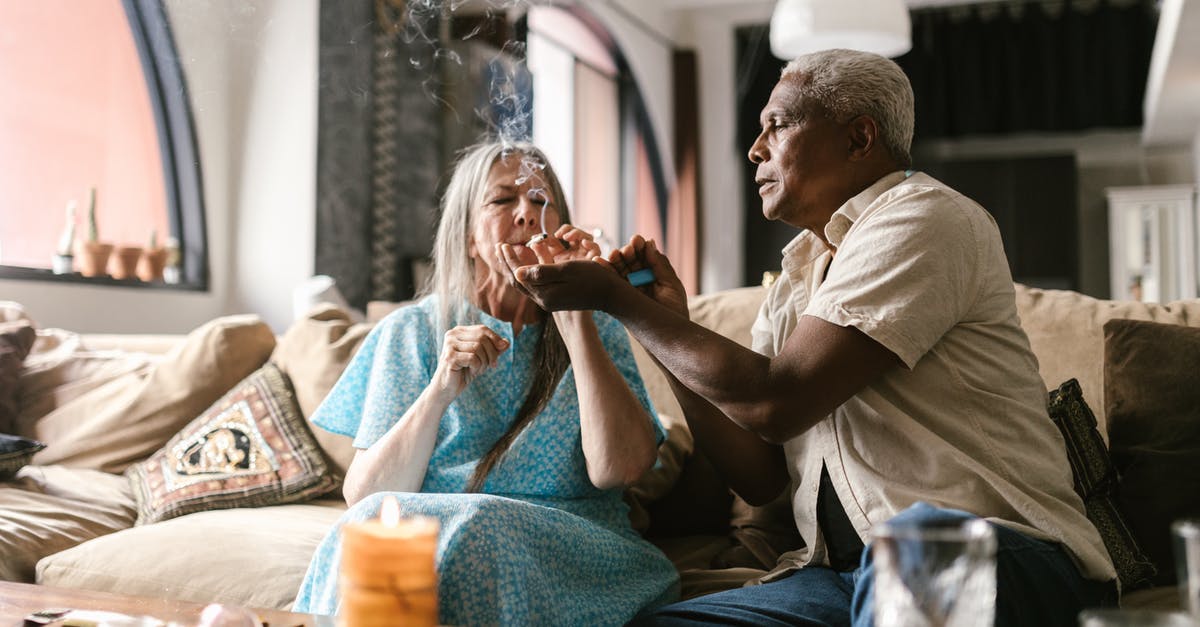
(802, 26)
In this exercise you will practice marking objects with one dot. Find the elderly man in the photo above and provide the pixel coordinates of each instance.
(890, 370)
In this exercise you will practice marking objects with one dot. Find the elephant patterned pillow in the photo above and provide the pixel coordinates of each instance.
(250, 449)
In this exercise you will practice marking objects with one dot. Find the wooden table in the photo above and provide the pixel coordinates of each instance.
(17, 600)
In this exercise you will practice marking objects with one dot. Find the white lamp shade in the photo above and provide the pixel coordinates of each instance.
(802, 26)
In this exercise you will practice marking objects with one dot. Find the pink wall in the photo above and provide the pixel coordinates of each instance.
(74, 112)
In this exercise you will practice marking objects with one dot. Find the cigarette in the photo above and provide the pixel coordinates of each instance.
(541, 236)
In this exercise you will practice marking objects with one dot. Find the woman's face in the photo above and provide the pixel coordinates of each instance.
(512, 211)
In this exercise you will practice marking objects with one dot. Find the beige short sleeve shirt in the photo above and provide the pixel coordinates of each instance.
(920, 269)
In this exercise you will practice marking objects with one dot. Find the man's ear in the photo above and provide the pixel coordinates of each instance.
(864, 135)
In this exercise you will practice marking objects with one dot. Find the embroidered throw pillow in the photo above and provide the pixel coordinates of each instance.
(15, 452)
(1096, 482)
(251, 448)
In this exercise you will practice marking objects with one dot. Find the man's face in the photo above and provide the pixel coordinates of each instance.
(802, 156)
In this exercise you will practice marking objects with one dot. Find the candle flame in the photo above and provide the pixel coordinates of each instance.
(389, 512)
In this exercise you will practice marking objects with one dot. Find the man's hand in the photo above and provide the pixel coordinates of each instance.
(579, 284)
(667, 289)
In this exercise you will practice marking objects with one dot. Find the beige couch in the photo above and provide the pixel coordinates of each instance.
(104, 402)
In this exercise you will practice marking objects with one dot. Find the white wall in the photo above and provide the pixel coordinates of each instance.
(251, 72)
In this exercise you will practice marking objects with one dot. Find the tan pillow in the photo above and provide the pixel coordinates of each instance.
(46, 509)
(313, 353)
(59, 370)
(127, 419)
(1066, 332)
(11, 311)
(251, 557)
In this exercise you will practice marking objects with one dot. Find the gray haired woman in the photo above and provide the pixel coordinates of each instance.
(516, 428)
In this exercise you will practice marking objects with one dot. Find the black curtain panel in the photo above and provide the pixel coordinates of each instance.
(1027, 66)
(993, 68)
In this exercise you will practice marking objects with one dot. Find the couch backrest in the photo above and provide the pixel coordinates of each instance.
(1065, 329)
(1066, 332)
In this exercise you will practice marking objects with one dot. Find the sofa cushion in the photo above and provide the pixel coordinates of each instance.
(313, 353)
(252, 557)
(16, 338)
(1153, 405)
(251, 448)
(61, 368)
(15, 453)
(46, 509)
(1096, 483)
(1066, 331)
(128, 418)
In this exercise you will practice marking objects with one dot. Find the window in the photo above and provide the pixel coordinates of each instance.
(588, 117)
(106, 111)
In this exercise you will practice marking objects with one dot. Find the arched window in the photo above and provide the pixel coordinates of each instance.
(109, 113)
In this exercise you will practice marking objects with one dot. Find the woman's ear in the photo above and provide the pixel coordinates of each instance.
(864, 134)
(471, 251)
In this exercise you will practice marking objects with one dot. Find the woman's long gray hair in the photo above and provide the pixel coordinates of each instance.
(453, 276)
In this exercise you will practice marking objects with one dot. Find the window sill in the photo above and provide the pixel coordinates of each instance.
(19, 273)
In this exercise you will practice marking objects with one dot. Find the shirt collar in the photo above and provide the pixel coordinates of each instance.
(806, 246)
(846, 215)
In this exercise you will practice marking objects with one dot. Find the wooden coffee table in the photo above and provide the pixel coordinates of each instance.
(17, 600)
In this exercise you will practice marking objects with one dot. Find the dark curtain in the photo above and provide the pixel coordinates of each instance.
(1030, 66)
(989, 68)
(379, 146)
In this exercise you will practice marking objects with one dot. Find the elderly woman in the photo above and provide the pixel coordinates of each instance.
(515, 428)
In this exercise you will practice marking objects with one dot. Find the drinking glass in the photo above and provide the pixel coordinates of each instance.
(1186, 537)
(935, 575)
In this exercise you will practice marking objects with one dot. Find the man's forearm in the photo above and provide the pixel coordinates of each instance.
(753, 468)
(723, 373)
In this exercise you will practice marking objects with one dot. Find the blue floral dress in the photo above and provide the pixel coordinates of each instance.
(540, 545)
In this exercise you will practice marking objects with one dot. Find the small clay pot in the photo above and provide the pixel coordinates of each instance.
(124, 262)
(93, 257)
(150, 267)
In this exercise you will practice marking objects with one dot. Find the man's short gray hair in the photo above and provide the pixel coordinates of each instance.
(849, 83)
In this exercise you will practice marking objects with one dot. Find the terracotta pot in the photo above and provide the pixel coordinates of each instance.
(150, 267)
(93, 257)
(124, 262)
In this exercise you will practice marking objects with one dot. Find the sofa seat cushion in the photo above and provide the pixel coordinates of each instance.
(46, 509)
(254, 557)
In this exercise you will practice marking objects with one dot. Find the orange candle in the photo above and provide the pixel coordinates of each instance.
(387, 574)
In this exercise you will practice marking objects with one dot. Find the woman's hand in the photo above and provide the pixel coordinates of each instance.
(467, 351)
(579, 245)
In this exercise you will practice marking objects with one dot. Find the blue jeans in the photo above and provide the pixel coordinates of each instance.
(1036, 584)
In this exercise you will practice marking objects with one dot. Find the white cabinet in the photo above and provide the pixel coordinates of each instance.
(1152, 242)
